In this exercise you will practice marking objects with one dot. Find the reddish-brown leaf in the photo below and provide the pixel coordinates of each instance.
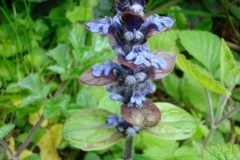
(170, 58)
(145, 117)
(88, 79)
(129, 64)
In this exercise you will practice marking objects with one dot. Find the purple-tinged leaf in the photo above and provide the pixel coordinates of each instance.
(170, 59)
(88, 79)
(146, 117)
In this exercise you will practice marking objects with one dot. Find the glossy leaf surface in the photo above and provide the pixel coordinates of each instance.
(170, 61)
(176, 124)
(87, 130)
(145, 117)
(222, 152)
(88, 79)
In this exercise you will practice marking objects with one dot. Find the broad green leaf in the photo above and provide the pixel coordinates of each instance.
(79, 13)
(61, 55)
(181, 19)
(196, 95)
(203, 46)
(176, 124)
(172, 85)
(36, 96)
(107, 104)
(230, 73)
(164, 41)
(33, 157)
(57, 107)
(222, 152)
(87, 130)
(201, 76)
(56, 68)
(183, 153)
(77, 37)
(30, 83)
(5, 130)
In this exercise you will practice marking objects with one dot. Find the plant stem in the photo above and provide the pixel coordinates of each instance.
(225, 117)
(38, 124)
(29, 137)
(4, 144)
(128, 150)
(209, 137)
(212, 121)
(210, 106)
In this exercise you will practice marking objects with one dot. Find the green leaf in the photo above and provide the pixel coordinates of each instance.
(183, 153)
(235, 11)
(107, 104)
(172, 85)
(5, 130)
(87, 130)
(222, 152)
(176, 124)
(30, 83)
(201, 76)
(61, 55)
(91, 156)
(79, 13)
(77, 38)
(230, 73)
(57, 107)
(196, 95)
(203, 46)
(164, 41)
(33, 157)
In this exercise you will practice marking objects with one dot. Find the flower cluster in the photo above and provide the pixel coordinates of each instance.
(128, 77)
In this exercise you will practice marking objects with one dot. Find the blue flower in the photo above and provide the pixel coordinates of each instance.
(137, 98)
(112, 120)
(106, 67)
(160, 22)
(117, 97)
(146, 88)
(100, 26)
(159, 63)
(139, 56)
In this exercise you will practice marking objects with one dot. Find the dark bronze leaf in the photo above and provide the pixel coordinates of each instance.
(170, 58)
(145, 117)
(88, 79)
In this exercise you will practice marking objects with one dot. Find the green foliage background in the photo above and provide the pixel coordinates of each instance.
(44, 48)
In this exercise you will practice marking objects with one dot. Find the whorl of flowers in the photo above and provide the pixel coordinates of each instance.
(128, 77)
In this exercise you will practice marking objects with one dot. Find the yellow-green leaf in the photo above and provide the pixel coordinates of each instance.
(176, 124)
(87, 130)
(202, 77)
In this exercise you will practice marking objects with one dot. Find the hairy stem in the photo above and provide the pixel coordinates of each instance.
(38, 124)
(5, 146)
(210, 106)
(212, 121)
(209, 137)
(29, 137)
(128, 150)
(229, 114)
